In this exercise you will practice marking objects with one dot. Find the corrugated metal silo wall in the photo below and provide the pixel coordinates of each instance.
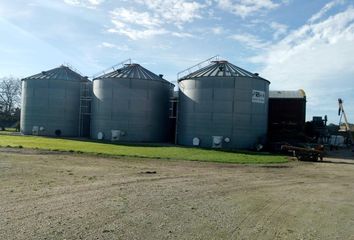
(51, 104)
(222, 106)
(137, 107)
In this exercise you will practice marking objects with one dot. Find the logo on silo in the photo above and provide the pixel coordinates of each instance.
(258, 96)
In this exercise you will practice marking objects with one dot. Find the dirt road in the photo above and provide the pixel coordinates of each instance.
(64, 196)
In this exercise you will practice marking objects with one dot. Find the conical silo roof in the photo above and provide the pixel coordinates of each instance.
(135, 71)
(59, 73)
(220, 69)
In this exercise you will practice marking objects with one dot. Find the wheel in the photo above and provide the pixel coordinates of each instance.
(299, 157)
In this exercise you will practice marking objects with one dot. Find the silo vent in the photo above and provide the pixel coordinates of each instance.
(256, 74)
(100, 135)
(161, 75)
(217, 141)
(57, 132)
(35, 130)
(44, 72)
(196, 141)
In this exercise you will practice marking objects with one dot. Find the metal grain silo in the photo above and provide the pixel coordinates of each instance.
(50, 103)
(222, 106)
(130, 104)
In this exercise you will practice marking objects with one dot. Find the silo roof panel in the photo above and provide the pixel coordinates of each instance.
(135, 71)
(220, 69)
(60, 73)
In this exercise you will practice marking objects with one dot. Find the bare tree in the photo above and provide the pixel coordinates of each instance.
(10, 94)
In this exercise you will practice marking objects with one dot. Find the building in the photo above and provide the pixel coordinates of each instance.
(222, 106)
(51, 102)
(287, 114)
(131, 104)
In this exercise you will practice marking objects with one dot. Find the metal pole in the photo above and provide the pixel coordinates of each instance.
(342, 112)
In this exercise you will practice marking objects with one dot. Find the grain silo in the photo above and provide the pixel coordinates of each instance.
(130, 104)
(222, 106)
(50, 103)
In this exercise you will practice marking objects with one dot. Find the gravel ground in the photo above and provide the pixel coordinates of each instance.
(46, 195)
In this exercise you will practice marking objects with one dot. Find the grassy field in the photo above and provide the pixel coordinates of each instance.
(164, 152)
(8, 131)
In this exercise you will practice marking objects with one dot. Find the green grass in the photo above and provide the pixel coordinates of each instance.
(152, 151)
(8, 131)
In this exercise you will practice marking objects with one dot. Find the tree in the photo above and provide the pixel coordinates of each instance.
(10, 94)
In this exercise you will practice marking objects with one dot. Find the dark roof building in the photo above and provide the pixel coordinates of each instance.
(287, 113)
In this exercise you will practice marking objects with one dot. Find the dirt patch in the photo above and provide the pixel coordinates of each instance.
(149, 172)
(74, 196)
(276, 166)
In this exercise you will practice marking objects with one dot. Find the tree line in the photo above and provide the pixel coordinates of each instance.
(10, 102)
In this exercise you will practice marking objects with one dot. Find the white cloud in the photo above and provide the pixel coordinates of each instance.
(182, 35)
(218, 30)
(85, 3)
(142, 25)
(96, 2)
(122, 47)
(177, 12)
(279, 29)
(325, 9)
(317, 57)
(144, 19)
(9, 11)
(134, 34)
(135, 25)
(273, 30)
(245, 8)
(250, 40)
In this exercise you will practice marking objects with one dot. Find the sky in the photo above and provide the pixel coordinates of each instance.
(295, 44)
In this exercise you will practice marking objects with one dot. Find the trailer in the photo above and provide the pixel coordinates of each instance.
(306, 153)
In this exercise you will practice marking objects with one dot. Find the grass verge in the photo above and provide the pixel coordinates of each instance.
(8, 131)
(153, 151)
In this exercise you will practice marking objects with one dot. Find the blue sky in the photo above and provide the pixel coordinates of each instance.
(296, 44)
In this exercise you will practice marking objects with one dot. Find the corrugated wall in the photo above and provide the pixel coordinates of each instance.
(222, 106)
(136, 107)
(50, 105)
